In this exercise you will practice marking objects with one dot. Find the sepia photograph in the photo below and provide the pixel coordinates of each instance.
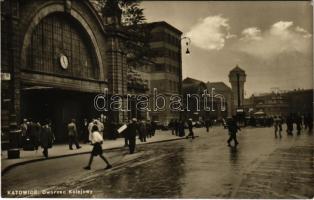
(157, 99)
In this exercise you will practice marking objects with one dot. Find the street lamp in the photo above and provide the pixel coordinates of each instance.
(187, 43)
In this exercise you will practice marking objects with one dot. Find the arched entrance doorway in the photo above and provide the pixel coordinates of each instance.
(61, 73)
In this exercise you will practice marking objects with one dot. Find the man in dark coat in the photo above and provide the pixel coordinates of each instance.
(29, 139)
(233, 129)
(207, 124)
(142, 131)
(190, 126)
(46, 138)
(148, 128)
(72, 132)
(131, 135)
(176, 127)
(85, 131)
(37, 130)
(154, 127)
(181, 128)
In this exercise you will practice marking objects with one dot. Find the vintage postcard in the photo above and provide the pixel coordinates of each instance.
(157, 99)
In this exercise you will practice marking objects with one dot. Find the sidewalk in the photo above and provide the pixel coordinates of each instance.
(62, 150)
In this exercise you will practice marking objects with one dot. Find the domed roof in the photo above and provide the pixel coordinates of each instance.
(237, 69)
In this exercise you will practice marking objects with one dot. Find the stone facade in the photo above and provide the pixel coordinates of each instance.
(58, 50)
(57, 55)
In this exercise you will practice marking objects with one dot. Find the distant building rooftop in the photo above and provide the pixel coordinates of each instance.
(164, 24)
(219, 86)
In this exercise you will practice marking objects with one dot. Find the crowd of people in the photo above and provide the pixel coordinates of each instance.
(178, 126)
(301, 122)
(35, 134)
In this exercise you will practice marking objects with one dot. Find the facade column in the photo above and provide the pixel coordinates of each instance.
(116, 57)
(13, 63)
(117, 80)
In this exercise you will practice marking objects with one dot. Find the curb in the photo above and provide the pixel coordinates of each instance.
(9, 167)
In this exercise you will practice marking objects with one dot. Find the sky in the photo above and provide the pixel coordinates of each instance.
(271, 41)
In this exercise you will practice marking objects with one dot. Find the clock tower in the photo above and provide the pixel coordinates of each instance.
(237, 78)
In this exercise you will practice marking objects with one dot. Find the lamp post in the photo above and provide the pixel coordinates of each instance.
(238, 89)
(187, 43)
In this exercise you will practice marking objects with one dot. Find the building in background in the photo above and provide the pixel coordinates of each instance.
(216, 90)
(166, 74)
(272, 104)
(281, 103)
(226, 92)
(300, 101)
(194, 106)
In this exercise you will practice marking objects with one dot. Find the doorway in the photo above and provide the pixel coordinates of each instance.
(59, 107)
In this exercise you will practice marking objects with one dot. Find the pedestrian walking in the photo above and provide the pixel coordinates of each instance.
(46, 138)
(37, 130)
(181, 128)
(32, 134)
(207, 124)
(298, 122)
(28, 144)
(309, 122)
(132, 131)
(125, 134)
(176, 127)
(142, 131)
(112, 130)
(171, 126)
(96, 140)
(233, 129)
(289, 122)
(278, 126)
(154, 127)
(85, 131)
(148, 128)
(190, 126)
(23, 128)
(305, 122)
(72, 132)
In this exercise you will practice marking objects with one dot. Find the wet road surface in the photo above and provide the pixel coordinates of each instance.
(260, 167)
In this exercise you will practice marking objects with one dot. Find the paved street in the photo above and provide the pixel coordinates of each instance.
(260, 167)
(60, 150)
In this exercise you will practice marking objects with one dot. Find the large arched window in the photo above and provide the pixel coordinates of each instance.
(56, 36)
